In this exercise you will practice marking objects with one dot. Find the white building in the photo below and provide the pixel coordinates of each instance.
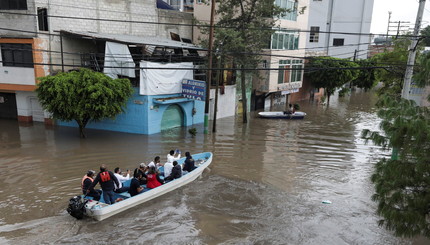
(332, 21)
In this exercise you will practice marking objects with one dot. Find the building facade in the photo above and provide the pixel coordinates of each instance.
(47, 36)
(339, 28)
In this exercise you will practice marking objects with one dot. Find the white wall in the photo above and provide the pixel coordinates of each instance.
(17, 75)
(349, 16)
(28, 105)
(226, 102)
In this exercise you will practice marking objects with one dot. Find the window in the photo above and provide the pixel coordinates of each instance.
(13, 4)
(291, 9)
(18, 55)
(338, 41)
(285, 40)
(42, 19)
(314, 34)
(293, 72)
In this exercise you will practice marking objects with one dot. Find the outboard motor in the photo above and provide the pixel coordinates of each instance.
(77, 207)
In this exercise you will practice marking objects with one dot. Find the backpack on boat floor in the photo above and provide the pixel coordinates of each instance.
(77, 207)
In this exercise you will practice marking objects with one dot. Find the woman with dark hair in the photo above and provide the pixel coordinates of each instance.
(153, 179)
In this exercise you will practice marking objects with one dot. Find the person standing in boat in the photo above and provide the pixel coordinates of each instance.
(173, 156)
(189, 164)
(153, 179)
(170, 159)
(121, 179)
(107, 181)
(86, 182)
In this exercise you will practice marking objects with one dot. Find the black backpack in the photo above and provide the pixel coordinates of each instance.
(77, 207)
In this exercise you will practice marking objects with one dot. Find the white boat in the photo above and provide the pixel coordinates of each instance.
(282, 115)
(100, 211)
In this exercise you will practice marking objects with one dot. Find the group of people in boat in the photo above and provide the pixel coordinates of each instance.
(145, 177)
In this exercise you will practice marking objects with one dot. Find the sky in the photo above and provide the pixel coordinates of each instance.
(402, 10)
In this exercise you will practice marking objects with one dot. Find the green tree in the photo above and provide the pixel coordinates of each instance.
(402, 187)
(395, 62)
(426, 32)
(422, 75)
(331, 73)
(245, 26)
(367, 76)
(83, 96)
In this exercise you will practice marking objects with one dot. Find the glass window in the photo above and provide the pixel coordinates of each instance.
(290, 6)
(314, 34)
(285, 40)
(42, 19)
(18, 55)
(338, 41)
(13, 4)
(293, 72)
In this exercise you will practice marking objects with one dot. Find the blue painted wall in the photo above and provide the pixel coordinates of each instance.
(143, 116)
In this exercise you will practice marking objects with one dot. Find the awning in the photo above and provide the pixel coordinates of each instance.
(129, 39)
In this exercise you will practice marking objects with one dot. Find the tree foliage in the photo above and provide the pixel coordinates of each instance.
(403, 186)
(422, 75)
(395, 61)
(366, 78)
(244, 28)
(426, 32)
(83, 96)
(331, 73)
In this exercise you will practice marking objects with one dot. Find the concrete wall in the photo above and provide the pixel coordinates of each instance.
(176, 17)
(17, 75)
(351, 16)
(143, 116)
(26, 24)
(29, 108)
(226, 102)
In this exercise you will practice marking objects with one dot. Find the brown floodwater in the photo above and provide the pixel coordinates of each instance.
(265, 185)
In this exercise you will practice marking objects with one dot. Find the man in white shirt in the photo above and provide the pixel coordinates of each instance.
(155, 163)
(171, 156)
(121, 179)
(168, 168)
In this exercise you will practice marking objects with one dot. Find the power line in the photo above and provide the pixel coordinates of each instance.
(196, 25)
(310, 48)
(224, 53)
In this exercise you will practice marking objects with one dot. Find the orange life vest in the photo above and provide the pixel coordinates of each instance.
(83, 180)
(104, 176)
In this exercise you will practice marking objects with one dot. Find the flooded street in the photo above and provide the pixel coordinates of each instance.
(265, 185)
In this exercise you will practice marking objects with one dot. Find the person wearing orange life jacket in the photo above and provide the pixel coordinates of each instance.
(86, 182)
(107, 181)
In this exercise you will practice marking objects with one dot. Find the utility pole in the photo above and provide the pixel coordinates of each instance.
(219, 56)
(411, 62)
(388, 28)
(412, 52)
(209, 75)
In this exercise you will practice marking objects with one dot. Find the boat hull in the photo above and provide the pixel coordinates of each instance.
(282, 115)
(100, 211)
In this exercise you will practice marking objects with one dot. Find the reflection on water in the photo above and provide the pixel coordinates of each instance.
(265, 185)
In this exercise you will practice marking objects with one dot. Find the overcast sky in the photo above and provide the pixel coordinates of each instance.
(402, 10)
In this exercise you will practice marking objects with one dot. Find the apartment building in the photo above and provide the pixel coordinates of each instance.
(338, 28)
(273, 88)
(43, 37)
